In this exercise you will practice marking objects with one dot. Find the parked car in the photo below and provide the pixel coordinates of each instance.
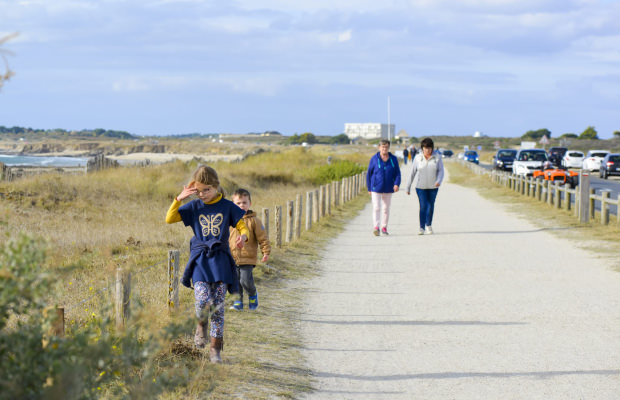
(592, 161)
(471, 156)
(556, 154)
(572, 159)
(610, 165)
(447, 153)
(503, 159)
(529, 160)
(554, 174)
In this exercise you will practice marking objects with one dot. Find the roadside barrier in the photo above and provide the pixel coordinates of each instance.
(319, 204)
(582, 200)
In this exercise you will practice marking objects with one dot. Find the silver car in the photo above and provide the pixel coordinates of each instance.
(592, 161)
(528, 160)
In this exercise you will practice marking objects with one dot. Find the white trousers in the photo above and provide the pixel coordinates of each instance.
(381, 209)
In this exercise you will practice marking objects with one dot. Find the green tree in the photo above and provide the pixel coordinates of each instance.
(617, 134)
(569, 136)
(589, 133)
(536, 135)
(339, 139)
(308, 138)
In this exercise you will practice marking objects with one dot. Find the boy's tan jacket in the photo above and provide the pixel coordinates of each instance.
(247, 255)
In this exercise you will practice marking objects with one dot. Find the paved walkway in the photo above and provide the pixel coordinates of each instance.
(489, 307)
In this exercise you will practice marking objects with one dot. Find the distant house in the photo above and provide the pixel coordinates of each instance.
(369, 130)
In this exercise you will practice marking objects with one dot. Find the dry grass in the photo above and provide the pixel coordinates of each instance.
(602, 240)
(96, 223)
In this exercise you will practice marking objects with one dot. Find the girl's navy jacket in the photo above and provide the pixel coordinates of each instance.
(210, 259)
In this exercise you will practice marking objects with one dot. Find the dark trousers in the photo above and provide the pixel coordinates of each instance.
(427, 205)
(246, 280)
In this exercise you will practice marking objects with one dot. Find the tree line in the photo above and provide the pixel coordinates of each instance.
(58, 133)
(588, 133)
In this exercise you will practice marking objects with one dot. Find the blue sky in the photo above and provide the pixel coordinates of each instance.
(453, 67)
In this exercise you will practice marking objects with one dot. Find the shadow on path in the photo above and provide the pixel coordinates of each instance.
(461, 375)
(412, 323)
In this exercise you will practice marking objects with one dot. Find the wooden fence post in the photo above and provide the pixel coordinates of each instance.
(343, 191)
(336, 193)
(298, 212)
(123, 292)
(308, 210)
(278, 223)
(290, 220)
(321, 201)
(605, 207)
(315, 206)
(266, 221)
(328, 199)
(558, 195)
(173, 280)
(591, 201)
(290, 208)
(58, 326)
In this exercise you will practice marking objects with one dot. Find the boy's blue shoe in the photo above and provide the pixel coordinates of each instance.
(253, 302)
(237, 305)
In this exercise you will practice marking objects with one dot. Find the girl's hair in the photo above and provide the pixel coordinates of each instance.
(427, 142)
(207, 176)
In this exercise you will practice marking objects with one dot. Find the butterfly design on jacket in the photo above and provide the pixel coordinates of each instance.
(211, 224)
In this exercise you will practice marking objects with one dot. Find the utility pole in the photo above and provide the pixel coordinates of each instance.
(389, 126)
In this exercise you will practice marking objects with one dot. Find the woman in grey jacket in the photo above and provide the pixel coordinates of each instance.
(428, 165)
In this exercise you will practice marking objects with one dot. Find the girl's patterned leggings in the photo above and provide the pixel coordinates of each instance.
(210, 300)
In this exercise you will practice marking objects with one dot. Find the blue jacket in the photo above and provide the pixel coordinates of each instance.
(383, 175)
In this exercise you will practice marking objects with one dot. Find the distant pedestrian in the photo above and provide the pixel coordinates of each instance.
(211, 267)
(429, 167)
(405, 155)
(245, 258)
(382, 179)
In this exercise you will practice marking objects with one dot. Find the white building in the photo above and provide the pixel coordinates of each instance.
(369, 130)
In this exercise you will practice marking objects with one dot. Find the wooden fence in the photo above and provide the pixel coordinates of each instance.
(581, 202)
(319, 204)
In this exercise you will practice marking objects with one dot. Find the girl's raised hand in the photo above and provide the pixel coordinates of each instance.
(187, 191)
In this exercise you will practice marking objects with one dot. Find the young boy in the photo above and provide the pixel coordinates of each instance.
(246, 258)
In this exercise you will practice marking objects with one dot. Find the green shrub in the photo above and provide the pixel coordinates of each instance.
(335, 171)
(92, 361)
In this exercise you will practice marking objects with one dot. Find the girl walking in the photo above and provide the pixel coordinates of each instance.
(429, 167)
(211, 267)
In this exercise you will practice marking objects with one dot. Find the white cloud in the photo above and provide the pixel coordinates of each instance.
(345, 36)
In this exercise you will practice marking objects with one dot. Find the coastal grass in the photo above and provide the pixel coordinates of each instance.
(603, 240)
(93, 224)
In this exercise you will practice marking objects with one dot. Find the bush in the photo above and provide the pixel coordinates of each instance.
(93, 362)
(334, 171)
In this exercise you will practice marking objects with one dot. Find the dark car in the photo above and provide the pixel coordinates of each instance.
(610, 165)
(503, 159)
(471, 156)
(556, 154)
(447, 153)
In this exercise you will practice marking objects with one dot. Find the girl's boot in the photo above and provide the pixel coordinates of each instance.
(200, 338)
(214, 352)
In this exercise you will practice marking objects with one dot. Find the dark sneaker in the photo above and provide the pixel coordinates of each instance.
(253, 302)
(384, 231)
(237, 305)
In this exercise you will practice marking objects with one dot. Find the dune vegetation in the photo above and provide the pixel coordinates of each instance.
(66, 235)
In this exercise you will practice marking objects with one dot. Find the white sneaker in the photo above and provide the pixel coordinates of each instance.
(429, 230)
(421, 231)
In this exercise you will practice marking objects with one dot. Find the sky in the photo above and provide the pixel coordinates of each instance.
(448, 67)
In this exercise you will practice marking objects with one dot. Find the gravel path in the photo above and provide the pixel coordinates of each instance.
(489, 307)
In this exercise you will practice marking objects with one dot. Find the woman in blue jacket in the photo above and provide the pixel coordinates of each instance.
(382, 179)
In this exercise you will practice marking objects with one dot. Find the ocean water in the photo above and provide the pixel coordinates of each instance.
(42, 161)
